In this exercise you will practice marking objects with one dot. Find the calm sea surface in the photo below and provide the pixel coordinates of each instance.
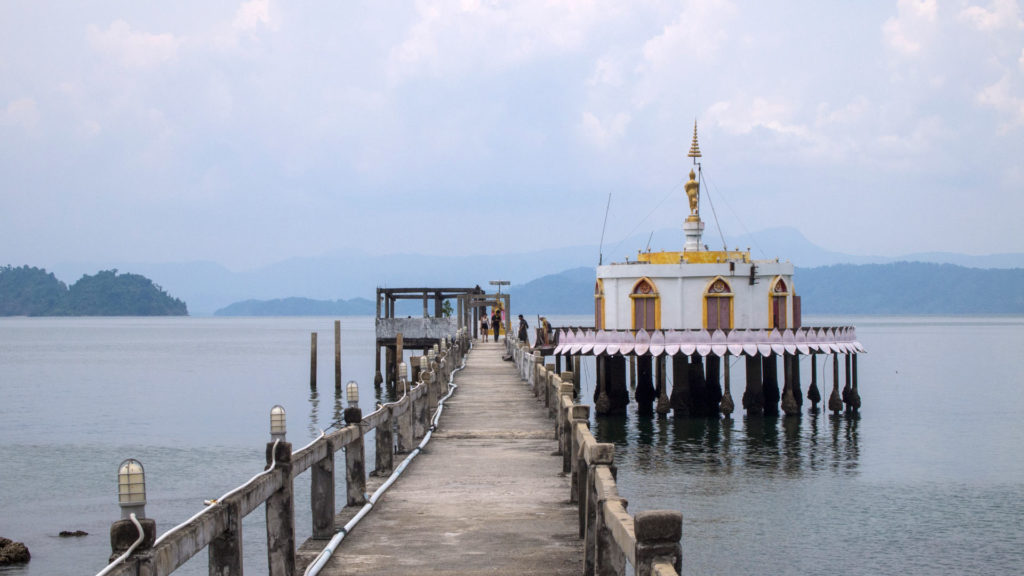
(928, 480)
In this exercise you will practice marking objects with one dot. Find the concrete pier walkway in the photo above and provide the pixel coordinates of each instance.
(487, 496)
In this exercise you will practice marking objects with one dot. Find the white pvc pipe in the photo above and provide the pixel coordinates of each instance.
(321, 560)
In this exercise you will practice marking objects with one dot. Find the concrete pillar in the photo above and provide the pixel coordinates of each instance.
(378, 377)
(659, 535)
(608, 558)
(123, 534)
(770, 384)
(835, 402)
(580, 415)
(602, 403)
(645, 393)
(726, 406)
(698, 387)
(321, 495)
(712, 386)
(601, 454)
(224, 553)
(813, 394)
(355, 461)
(854, 394)
(663, 406)
(680, 398)
(753, 395)
(385, 447)
(399, 356)
(280, 509)
(615, 383)
(789, 405)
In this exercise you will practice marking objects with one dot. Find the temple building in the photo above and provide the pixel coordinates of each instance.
(700, 308)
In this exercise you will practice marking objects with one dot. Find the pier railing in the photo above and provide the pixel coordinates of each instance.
(649, 541)
(218, 527)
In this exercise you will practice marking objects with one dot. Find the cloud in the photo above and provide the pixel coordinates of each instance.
(457, 37)
(602, 134)
(1002, 14)
(134, 49)
(252, 15)
(22, 112)
(1000, 98)
(910, 28)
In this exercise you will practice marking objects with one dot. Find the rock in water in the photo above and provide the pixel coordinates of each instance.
(13, 552)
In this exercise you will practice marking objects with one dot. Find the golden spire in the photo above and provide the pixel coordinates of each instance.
(694, 147)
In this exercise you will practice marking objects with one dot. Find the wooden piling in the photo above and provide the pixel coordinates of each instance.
(312, 360)
(337, 354)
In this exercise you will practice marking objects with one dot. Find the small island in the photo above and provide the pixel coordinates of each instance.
(30, 291)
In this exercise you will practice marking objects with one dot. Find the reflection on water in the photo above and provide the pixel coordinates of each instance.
(793, 446)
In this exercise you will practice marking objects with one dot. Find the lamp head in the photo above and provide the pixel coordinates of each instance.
(131, 488)
(277, 423)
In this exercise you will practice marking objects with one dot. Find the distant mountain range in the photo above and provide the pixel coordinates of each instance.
(207, 287)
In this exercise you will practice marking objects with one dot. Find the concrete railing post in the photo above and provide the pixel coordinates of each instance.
(659, 536)
(430, 377)
(385, 446)
(321, 495)
(538, 373)
(549, 376)
(562, 423)
(224, 552)
(355, 461)
(575, 414)
(420, 411)
(601, 454)
(405, 422)
(281, 514)
(581, 417)
(123, 534)
(609, 559)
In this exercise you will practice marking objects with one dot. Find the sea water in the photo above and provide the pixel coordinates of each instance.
(928, 479)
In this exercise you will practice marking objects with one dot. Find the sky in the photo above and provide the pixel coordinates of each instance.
(247, 133)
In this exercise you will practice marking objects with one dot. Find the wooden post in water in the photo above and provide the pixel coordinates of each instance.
(337, 354)
(312, 360)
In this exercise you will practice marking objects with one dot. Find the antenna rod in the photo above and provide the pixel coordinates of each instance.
(600, 249)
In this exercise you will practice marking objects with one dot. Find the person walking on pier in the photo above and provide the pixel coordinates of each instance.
(524, 336)
(495, 323)
(483, 327)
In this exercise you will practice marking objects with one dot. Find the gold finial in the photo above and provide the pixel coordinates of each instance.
(694, 147)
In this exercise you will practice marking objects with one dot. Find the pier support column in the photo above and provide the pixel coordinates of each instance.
(280, 509)
(770, 384)
(848, 386)
(712, 387)
(645, 393)
(753, 395)
(835, 402)
(726, 406)
(813, 394)
(789, 405)
(615, 377)
(664, 406)
(680, 397)
(698, 386)
(854, 394)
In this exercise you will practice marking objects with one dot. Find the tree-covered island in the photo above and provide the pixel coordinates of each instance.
(30, 291)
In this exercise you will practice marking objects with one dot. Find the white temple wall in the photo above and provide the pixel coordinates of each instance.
(681, 289)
